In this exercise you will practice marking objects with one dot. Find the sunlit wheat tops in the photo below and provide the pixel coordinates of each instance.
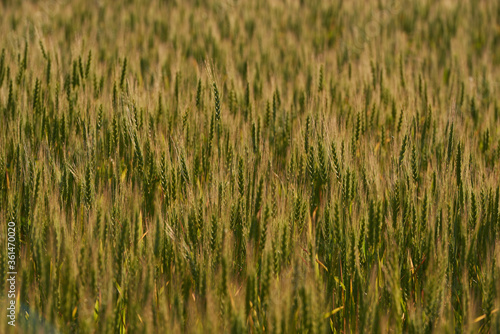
(251, 167)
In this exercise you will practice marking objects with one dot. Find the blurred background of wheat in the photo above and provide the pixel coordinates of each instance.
(251, 166)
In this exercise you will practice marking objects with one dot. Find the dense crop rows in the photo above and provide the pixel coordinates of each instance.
(261, 166)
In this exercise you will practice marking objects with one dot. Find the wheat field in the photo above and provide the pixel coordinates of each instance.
(278, 166)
